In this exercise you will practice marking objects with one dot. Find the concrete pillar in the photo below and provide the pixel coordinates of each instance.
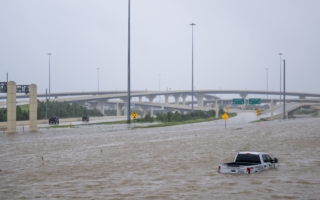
(11, 107)
(145, 110)
(216, 108)
(151, 98)
(119, 109)
(33, 106)
(101, 104)
(200, 100)
(140, 99)
(151, 111)
(243, 95)
(184, 96)
(166, 98)
(176, 98)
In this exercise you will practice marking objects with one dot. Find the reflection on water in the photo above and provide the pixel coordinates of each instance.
(180, 162)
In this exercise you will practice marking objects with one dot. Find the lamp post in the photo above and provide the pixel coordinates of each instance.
(49, 54)
(267, 83)
(159, 88)
(193, 24)
(128, 104)
(280, 76)
(98, 79)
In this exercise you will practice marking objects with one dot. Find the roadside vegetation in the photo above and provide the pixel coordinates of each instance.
(59, 109)
(172, 119)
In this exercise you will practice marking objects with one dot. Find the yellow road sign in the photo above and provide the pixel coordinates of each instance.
(225, 116)
(258, 112)
(134, 115)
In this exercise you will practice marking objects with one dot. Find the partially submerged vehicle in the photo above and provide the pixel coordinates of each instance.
(248, 162)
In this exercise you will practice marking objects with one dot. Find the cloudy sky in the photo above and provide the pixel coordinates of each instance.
(235, 42)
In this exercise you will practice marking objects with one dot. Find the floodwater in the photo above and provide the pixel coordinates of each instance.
(179, 162)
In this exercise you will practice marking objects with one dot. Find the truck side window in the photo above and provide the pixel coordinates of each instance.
(268, 158)
(264, 158)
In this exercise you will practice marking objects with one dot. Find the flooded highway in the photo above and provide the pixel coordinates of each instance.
(177, 162)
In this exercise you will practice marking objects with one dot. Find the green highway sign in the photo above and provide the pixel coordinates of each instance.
(254, 101)
(237, 101)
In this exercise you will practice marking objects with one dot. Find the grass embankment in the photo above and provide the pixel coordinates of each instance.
(184, 122)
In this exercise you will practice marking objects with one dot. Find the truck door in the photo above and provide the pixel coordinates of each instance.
(266, 161)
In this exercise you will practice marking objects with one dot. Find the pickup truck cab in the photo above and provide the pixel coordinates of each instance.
(248, 162)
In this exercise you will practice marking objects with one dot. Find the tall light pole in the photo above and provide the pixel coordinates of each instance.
(267, 83)
(98, 79)
(280, 76)
(49, 54)
(159, 87)
(128, 112)
(193, 24)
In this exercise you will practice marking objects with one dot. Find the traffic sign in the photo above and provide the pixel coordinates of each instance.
(237, 101)
(254, 101)
(134, 115)
(258, 112)
(225, 116)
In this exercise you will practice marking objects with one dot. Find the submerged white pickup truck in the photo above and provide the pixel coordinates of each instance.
(248, 162)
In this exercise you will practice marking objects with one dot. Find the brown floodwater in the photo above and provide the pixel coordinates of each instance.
(178, 162)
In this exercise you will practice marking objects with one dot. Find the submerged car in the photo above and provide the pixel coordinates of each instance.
(85, 118)
(53, 120)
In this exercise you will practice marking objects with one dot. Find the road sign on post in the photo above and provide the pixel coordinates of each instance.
(254, 101)
(225, 117)
(237, 101)
(134, 115)
(258, 112)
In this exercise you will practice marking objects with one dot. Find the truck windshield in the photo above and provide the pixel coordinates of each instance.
(248, 158)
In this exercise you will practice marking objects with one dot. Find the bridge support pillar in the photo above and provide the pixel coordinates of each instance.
(119, 109)
(184, 96)
(101, 104)
(243, 95)
(151, 98)
(11, 107)
(151, 111)
(166, 98)
(176, 98)
(33, 108)
(140, 99)
(200, 100)
(217, 110)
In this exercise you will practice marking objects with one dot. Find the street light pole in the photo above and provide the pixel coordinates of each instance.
(49, 54)
(98, 79)
(280, 76)
(193, 24)
(267, 83)
(159, 87)
(128, 104)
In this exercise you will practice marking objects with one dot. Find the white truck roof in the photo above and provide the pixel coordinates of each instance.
(251, 152)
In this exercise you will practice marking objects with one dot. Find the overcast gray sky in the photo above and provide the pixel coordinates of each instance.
(234, 43)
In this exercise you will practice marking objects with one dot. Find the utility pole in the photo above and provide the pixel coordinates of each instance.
(280, 76)
(49, 54)
(128, 101)
(193, 24)
(284, 89)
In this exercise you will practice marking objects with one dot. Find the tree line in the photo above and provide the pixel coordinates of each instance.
(59, 109)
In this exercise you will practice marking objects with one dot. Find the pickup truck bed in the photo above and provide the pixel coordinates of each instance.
(238, 164)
